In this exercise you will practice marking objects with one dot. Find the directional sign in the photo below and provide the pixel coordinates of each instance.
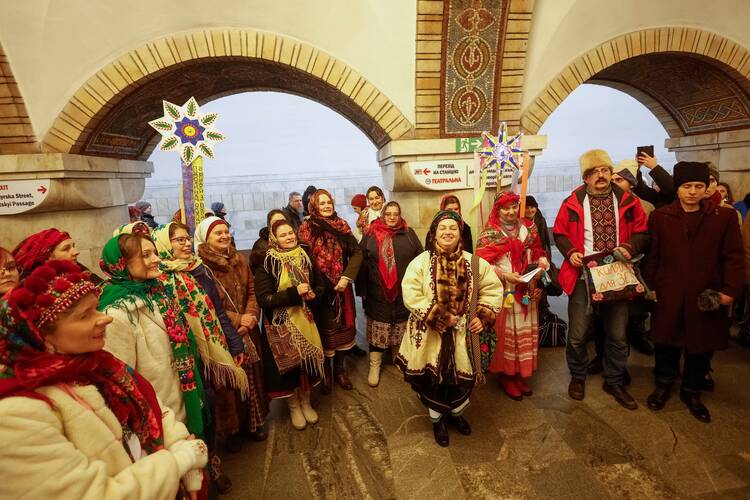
(468, 144)
(21, 196)
(442, 175)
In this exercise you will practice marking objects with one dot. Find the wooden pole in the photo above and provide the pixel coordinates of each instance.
(192, 202)
(524, 182)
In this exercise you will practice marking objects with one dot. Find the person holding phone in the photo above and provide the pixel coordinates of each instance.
(658, 197)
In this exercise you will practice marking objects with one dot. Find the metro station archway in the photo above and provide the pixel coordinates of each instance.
(109, 114)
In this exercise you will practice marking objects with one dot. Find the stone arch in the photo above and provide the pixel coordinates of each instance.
(108, 115)
(624, 62)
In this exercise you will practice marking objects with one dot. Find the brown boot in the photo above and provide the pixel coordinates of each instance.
(326, 386)
(339, 371)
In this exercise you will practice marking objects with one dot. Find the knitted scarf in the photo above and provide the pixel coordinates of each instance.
(291, 268)
(27, 366)
(387, 268)
(200, 313)
(121, 290)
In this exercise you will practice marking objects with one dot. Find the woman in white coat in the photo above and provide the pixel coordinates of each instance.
(75, 422)
(149, 331)
(451, 296)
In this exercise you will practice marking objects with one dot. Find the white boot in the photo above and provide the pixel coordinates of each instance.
(376, 359)
(295, 412)
(307, 410)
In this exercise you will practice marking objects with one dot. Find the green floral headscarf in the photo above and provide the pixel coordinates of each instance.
(121, 290)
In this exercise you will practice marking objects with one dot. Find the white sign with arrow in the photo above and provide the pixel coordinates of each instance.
(21, 196)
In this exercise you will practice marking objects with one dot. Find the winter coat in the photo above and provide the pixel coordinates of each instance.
(71, 451)
(206, 281)
(678, 269)
(746, 243)
(294, 218)
(234, 281)
(149, 220)
(568, 230)
(663, 179)
(258, 252)
(144, 345)
(406, 247)
(420, 348)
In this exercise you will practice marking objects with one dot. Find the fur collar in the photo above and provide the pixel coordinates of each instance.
(217, 261)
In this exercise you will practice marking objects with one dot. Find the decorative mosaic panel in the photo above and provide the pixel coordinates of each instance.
(472, 53)
(699, 95)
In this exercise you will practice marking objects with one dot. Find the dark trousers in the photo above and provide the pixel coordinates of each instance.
(667, 367)
(614, 317)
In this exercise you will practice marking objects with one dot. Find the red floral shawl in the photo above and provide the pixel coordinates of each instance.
(28, 366)
(386, 257)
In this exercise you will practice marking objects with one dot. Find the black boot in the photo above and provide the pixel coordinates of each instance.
(441, 432)
(658, 398)
(460, 424)
(339, 371)
(356, 351)
(692, 400)
(621, 396)
(327, 386)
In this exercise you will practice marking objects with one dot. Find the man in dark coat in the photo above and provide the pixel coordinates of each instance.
(695, 266)
(293, 210)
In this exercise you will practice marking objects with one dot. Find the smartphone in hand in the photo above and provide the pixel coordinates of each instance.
(649, 150)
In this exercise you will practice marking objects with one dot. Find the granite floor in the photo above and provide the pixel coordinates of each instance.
(377, 443)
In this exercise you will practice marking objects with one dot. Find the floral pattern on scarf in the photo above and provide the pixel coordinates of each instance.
(122, 290)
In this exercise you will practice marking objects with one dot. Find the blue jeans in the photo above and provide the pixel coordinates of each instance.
(614, 316)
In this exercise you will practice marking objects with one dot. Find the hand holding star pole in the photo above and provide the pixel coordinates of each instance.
(192, 134)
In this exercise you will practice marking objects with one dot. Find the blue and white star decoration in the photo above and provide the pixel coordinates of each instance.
(501, 150)
(497, 152)
(184, 128)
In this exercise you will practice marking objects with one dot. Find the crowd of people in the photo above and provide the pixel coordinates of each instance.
(135, 386)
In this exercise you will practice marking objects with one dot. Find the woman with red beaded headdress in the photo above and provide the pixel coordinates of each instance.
(511, 244)
(44, 245)
(76, 422)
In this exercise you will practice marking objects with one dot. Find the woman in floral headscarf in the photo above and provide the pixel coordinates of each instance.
(511, 244)
(287, 284)
(338, 256)
(452, 296)
(76, 422)
(221, 349)
(387, 249)
(149, 331)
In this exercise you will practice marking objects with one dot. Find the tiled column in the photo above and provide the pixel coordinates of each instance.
(87, 197)
(398, 160)
(729, 151)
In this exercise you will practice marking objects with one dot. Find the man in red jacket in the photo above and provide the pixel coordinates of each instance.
(597, 217)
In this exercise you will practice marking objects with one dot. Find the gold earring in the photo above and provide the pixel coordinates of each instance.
(49, 348)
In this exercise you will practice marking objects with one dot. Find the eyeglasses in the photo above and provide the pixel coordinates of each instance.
(182, 240)
(601, 171)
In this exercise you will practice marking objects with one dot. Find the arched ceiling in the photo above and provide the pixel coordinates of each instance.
(121, 128)
(699, 95)
(16, 133)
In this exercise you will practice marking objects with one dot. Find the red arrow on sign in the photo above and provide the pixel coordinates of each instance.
(42, 189)
(427, 171)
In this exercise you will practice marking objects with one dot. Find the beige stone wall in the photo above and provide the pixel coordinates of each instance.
(562, 30)
(54, 47)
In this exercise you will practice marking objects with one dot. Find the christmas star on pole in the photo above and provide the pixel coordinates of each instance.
(185, 130)
(497, 151)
